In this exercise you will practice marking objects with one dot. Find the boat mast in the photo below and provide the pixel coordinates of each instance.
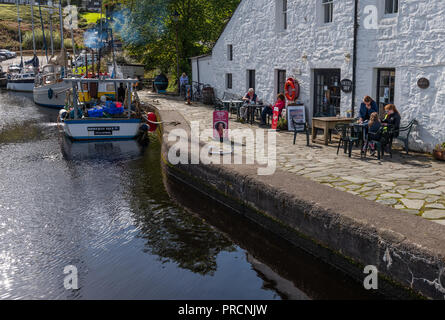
(43, 33)
(61, 25)
(20, 34)
(71, 28)
(50, 5)
(32, 24)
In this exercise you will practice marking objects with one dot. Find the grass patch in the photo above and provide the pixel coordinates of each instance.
(90, 17)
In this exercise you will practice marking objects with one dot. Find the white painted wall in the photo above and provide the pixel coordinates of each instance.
(412, 42)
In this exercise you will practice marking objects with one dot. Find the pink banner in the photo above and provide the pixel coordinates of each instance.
(220, 124)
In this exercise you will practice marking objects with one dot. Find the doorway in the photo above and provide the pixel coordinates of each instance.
(327, 92)
(386, 80)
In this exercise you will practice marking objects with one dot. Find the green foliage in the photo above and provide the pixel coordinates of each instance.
(28, 44)
(282, 124)
(440, 147)
(149, 31)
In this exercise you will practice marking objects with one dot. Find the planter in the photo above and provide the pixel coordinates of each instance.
(439, 155)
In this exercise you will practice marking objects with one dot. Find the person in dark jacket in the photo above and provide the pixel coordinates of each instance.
(121, 93)
(392, 119)
(367, 108)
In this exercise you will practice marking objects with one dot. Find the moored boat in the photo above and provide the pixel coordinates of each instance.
(107, 120)
(50, 90)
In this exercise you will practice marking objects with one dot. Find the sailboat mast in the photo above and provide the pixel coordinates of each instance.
(43, 33)
(32, 24)
(71, 28)
(62, 46)
(20, 34)
(51, 26)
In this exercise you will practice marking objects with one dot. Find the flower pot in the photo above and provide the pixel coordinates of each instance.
(439, 155)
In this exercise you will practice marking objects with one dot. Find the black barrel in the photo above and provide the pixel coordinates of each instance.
(161, 82)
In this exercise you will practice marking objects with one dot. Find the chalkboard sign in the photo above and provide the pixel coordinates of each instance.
(346, 85)
(423, 83)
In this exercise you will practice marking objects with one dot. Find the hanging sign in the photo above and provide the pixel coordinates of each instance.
(346, 85)
(423, 83)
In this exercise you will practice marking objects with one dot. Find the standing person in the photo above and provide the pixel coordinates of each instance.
(249, 98)
(281, 103)
(121, 93)
(183, 81)
(367, 108)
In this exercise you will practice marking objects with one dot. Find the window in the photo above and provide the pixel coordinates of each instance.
(250, 79)
(281, 81)
(285, 14)
(230, 52)
(391, 6)
(386, 80)
(328, 9)
(228, 81)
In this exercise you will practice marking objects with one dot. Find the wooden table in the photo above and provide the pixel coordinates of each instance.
(327, 124)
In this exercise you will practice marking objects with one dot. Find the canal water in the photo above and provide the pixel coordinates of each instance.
(105, 209)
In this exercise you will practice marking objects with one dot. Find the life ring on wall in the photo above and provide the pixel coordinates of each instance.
(292, 89)
(50, 93)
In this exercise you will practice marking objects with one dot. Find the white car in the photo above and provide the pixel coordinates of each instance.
(8, 54)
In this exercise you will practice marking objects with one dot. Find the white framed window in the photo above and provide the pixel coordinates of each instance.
(328, 11)
(391, 6)
(284, 14)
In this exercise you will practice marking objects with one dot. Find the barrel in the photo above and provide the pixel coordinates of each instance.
(161, 83)
(208, 95)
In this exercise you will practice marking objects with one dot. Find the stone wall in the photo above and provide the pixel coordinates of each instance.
(411, 42)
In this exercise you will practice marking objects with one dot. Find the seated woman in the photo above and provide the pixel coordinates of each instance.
(367, 108)
(249, 98)
(281, 103)
(392, 118)
(374, 134)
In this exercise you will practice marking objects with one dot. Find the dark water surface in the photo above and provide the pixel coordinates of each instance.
(103, 207)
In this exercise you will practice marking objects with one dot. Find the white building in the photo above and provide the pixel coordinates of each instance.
(397, 43)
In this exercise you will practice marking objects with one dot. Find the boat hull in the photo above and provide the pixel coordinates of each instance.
(52, 95)
(101, 129)
(21, 85)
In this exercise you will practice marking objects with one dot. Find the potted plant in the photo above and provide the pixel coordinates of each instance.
(282, 124)
(439, 152)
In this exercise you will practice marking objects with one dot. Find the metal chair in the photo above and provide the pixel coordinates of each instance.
(307, 130)
(347, 139)
(405, 139)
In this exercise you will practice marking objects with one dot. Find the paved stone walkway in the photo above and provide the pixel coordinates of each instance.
(414, 184)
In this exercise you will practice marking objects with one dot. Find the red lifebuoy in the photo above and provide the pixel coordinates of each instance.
(292, 89)
(151, 117)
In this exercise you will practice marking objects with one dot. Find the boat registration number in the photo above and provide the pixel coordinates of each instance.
(103, 131)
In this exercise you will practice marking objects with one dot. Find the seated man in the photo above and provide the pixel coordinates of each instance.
(281, 104)
(249, 98)
(367, 108)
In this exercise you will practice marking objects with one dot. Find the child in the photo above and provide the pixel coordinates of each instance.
(374, 134)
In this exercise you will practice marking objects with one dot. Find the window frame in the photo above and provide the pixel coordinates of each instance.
(328, 11)
(229, 81)
(251, 80)
(284, 14)
(230, 52)
(394, 6)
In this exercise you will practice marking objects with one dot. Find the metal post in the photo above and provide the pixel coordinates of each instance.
(51, 28)
(61, 25)
(130, 91)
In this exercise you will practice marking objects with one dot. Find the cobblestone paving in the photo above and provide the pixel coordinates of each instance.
(414, 184)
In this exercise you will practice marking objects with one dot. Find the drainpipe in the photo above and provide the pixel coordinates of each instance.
(354, 62)
(197, 65)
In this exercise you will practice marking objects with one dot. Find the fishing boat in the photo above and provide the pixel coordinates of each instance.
(107, 120)
(50, 90)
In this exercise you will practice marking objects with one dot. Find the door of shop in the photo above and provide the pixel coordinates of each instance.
(327, 92)
(386, 79)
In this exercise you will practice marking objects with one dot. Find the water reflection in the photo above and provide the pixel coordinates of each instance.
(173, 235)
